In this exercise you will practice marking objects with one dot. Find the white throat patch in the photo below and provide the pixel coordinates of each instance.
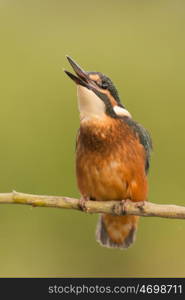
(120, 111)
(89, 104)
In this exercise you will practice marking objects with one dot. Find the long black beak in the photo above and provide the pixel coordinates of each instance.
(82, 76)
(83, 79)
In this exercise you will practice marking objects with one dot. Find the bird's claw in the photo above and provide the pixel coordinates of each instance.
(82, 203)
(124, 205)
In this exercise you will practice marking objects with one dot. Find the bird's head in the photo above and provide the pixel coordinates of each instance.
(97, 95)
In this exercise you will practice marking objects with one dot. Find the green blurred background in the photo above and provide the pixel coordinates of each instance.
(141, 46)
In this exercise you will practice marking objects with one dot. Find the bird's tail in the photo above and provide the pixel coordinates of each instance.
(116, 231)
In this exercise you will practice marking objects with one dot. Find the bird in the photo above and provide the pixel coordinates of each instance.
(112, 154)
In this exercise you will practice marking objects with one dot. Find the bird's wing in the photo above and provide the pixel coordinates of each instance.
(144, 138)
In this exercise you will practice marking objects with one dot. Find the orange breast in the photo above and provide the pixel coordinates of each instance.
(110, 162)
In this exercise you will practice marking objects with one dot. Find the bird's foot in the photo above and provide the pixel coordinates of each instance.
(141, 205)
(124, 203)
(82, 203)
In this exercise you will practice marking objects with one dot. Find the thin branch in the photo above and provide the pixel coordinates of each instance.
(119, 208)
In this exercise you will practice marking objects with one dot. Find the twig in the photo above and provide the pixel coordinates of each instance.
(124, 207)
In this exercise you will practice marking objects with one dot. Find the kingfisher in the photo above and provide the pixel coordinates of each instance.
(112, 154)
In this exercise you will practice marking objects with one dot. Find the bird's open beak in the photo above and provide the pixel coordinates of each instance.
(82, 76)
(83, 79)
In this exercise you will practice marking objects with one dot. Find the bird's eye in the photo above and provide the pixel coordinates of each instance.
(104, 85)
